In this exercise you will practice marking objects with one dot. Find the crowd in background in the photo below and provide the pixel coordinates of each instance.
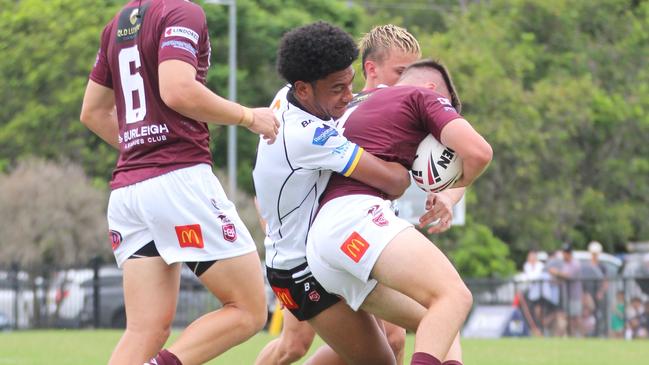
(566, 296)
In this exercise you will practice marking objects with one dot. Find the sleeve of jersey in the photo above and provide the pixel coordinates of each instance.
(101, 70)
(322, 147)
(183, 28)
(437, 111)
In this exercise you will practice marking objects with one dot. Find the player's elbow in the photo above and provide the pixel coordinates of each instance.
(481, 155)
(176, 97)
(88, 116)
(398, 184)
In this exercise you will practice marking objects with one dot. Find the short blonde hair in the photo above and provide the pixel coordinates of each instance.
(378, 43)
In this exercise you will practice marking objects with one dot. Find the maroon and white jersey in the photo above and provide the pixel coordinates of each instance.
(153, 138)
(390, 123)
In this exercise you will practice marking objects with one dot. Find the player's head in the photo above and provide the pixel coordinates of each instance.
(316, 60)
(385, 52)
(434, 75)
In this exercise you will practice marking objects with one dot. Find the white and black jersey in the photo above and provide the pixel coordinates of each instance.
(291, 174)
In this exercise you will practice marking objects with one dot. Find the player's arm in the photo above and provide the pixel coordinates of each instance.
(98, 112)
(439, 207)
(475, 151)
(389, 177)
(180, 91)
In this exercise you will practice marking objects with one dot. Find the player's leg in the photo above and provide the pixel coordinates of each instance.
(355, 336)
(325, 355)
(292, 344)
(396, 338)
(150, 296)
(431, 280)
(237, 282)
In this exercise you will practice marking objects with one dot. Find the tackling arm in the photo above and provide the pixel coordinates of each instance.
(389, 177)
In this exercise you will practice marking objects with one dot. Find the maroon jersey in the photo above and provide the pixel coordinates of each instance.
(390, 123)
(153, 139)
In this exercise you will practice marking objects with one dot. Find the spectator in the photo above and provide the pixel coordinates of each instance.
(569, 273)
(533, 269)
(617, 317)
(637, 319)
(594, 281)
(553, 317)
(642, 276)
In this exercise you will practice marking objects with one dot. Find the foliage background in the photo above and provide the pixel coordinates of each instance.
(560, 89)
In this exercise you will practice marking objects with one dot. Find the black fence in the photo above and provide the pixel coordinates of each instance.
(616, 307)
(92, 296)
(80, 297)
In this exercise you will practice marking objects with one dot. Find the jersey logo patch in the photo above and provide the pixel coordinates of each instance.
(190, 236)
(229, 230)
(285, 297)
(377, 216)
(322, 135)
(314, 296)
(115, 238)
(130, 23)
(355, 247)
(181, 32)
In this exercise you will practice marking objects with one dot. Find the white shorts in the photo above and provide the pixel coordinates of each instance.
(185, 212)
(345, 241)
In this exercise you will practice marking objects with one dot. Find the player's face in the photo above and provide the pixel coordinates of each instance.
(329, 96)
(389, 71)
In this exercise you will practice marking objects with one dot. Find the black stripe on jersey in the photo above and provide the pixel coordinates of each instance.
(313, 189)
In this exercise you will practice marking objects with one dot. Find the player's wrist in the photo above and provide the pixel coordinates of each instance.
(247, 117)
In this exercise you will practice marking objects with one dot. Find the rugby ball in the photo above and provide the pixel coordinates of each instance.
(436, 167)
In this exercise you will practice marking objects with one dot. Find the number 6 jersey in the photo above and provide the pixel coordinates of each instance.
(153, 138)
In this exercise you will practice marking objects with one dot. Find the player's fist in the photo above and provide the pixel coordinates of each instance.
(264, 123)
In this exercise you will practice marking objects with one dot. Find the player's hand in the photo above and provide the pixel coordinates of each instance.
(439, 213)
(265, 124)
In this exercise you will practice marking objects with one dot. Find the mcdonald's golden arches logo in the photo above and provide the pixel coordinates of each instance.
(190, 236)
(355, 246)
(285, 297)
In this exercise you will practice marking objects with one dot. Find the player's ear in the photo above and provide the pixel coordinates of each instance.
(302, 90)
(370, 69)
(430, 85)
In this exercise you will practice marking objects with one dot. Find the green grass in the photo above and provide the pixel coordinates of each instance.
(73, 347)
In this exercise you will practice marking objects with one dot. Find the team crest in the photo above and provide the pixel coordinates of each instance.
(115, 238)
(377, 216)
(229, 230)
(314, 296)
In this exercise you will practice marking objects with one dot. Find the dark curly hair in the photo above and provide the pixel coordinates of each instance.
(312, 52)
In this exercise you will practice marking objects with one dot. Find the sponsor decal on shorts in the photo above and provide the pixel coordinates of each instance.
(285, 297)
(314, 296)
(115, 238)
(355, 247)
(229, 230)
(322, 134)
(181, 32)
(377, 216)
(190, 236)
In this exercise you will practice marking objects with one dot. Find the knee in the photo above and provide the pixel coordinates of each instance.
(463, 298)
(252, 319)
(152, 332)
(397, 341)
(293, 349)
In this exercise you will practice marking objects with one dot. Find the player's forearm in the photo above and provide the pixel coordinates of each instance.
(472, 168)
(196, 101)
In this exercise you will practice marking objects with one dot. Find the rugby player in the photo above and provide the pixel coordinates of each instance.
(386, 51)
(146, 97)
(356, 241)
(290, 175)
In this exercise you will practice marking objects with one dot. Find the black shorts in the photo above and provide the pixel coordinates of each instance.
(149, 250)
(300, 292)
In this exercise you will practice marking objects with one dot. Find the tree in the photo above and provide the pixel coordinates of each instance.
(51, 217)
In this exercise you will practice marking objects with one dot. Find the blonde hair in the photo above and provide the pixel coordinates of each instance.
(378, 43)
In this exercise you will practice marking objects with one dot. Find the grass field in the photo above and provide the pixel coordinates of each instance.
(73, 347)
